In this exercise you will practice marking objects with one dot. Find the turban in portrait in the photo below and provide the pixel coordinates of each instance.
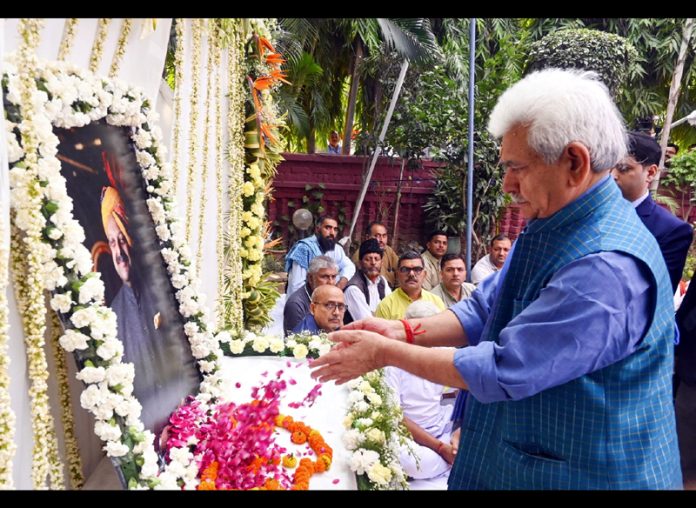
(112, 206)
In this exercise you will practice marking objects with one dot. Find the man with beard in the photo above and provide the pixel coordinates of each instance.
(367, 287)
(410, 275)
(323, 242)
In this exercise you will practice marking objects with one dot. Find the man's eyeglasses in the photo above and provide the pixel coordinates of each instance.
(415, 269)
(332, 306)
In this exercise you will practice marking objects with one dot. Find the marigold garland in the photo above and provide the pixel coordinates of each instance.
(301, 434)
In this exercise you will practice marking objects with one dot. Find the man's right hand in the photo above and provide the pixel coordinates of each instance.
(391, 329)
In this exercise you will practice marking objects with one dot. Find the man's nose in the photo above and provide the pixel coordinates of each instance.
(509, 182)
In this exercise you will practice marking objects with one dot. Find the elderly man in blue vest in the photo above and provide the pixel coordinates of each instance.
(569, 348)
(323, 242)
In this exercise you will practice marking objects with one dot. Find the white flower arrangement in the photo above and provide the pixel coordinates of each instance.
(373, 426)
(67, 96)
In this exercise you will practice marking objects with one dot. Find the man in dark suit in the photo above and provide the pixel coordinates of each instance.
(633, 176)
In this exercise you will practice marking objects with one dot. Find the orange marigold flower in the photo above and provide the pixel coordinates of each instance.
(320, 466)
(272, 484)
(298, 437)
(206, 485)
(290, 461)
(326, 459)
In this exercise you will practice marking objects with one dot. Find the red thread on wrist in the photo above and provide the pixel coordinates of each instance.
(439, 448)
(408, 330)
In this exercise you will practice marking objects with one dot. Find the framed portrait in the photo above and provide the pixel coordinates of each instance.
(105, 182)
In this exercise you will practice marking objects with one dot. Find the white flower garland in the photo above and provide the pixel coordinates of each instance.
(66, 263)
(47, 468)
(212, 71)
(68, 38)
(178, 88)
(7, 416)
(72, 449)
(232, 289)
(98, 46)
(373, 422)
(120, 47)
(193, 130)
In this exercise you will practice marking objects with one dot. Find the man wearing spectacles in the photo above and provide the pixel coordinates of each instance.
(410, 274)
(325, 312)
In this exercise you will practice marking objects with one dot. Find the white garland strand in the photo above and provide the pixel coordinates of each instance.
(212, 74)
(7, 416)
(68, 38)
(219, 171)
(234, 317)
(72, 449)
(45, 460)
(120, 47)
(193, 130)
(98, 46)
(178, 92)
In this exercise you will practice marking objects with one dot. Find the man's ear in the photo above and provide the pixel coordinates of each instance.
(578, 158)
(312, 306)
(653, 170)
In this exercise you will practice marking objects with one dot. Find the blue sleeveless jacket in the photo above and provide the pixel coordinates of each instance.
(611, 429)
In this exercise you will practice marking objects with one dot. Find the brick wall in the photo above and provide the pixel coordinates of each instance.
(342, 179)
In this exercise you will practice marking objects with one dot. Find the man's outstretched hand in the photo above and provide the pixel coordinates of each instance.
(357, 351)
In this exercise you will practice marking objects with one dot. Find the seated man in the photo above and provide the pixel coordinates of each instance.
(453, 287)
(325, 312)
(322, 242)
(434, 250)
(493, 261)
(427, 420)
(390, 260)
(322, 270)
(410, 275)
(367, 287)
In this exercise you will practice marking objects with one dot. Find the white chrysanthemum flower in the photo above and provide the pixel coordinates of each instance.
(91, 375)
(72, 340)
(114, 449)
(379, 474)
(300, 351)
(362, 460)
(62, 302)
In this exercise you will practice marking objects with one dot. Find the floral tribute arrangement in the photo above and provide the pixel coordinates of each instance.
(40, 95)
(63, 95)
(373, 429)
(234, 444)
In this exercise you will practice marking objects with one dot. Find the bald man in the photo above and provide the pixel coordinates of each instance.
(325, 312)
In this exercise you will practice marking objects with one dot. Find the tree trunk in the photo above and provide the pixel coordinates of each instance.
(352, 98)
(674, 95)
(311, 138)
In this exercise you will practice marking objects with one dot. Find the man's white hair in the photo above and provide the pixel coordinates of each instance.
(421, 309)
(561, 106)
